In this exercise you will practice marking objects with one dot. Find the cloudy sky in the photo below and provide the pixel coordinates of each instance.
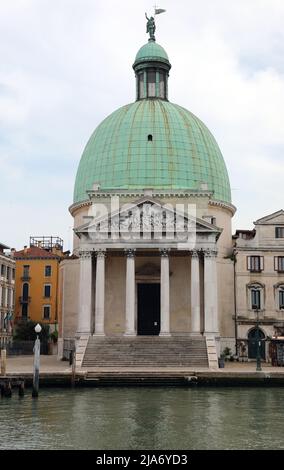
(66, 64)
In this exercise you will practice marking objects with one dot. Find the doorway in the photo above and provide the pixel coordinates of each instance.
(252, 344)
(149, 309)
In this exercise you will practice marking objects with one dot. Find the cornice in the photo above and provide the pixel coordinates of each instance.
(224, 205)
(152, 193)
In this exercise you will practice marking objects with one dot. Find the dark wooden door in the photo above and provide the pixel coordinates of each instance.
(149, 315)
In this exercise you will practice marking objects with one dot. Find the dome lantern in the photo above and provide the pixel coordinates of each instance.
(151, 68)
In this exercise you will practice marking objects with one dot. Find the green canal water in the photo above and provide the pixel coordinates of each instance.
(144, 418)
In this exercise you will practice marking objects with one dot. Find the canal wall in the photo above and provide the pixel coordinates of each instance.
(146, 378)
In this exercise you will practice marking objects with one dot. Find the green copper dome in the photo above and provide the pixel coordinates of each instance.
(151, 51)
(152, 143)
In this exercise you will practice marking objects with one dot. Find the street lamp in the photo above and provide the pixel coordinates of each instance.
(258, 343)
(36, 362)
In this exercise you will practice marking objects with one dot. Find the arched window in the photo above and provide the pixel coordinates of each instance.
(256, 297)
(252, 344)
(25, 291)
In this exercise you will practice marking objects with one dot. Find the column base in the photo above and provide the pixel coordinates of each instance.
(99, 334)
(194, 333)
(165, 334)
(130, 334)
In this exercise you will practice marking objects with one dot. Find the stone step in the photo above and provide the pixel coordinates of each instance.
(145, 351)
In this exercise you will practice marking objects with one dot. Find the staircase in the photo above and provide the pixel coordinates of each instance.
(146, 351)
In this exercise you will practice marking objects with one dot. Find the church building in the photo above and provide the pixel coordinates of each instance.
(152, 282)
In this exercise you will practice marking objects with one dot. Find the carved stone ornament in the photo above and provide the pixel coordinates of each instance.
(130, 253)
(210, 253)
(194, 254)
(85, 254)
(165, 252)
(100, 253)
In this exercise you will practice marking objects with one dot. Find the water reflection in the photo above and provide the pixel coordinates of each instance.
(144, 418)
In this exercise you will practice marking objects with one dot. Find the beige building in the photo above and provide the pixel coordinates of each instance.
(259, 274)
(7, 291)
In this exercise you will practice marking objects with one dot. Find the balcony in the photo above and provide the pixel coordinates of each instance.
(25, 277)
(24, 300)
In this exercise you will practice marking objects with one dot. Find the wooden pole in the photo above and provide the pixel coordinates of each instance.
(8, 389)
(36, 368)
(3, 361)
(73, 368)
(22, 389)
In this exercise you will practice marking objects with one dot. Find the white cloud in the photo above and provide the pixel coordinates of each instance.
(66, 64)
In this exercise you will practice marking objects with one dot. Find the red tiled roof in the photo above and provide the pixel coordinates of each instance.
(34, 252)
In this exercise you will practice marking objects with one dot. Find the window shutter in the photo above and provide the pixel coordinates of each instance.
(275, 263)
(249, 263)
(261, 263)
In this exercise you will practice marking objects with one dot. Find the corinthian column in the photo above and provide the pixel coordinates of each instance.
(100, 294)
(210, 292)
(130, 293)
(195, 293)
(85, 294)
(165, 293)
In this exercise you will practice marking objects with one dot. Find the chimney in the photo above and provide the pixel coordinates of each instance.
(25, 249)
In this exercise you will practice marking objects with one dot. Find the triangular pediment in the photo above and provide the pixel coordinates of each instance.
(272, 219)
(147, 215)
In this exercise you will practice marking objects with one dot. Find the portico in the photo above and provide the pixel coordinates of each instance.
(157, 259)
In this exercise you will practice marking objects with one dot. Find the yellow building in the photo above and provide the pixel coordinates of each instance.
(36, 281)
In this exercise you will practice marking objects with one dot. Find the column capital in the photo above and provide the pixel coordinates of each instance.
(100, 253)
(164, 252)
(130, 252)
(210, 253)
(194, 254)
(85, 254)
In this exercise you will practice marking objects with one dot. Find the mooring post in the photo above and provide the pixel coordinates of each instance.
(36, 363)
(8, 389)
(3, 361)
(73, 378)
(22, 388)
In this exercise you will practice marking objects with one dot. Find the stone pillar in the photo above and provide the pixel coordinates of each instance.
(165, 293)
(195, 293)
(85, 294)
(210, 293)
(100, 294)
(130, 294)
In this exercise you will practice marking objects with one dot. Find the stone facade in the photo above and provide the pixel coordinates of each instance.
(259, 274)
(7, 291)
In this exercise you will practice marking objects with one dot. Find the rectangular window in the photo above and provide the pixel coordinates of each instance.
(162, 88)
(141, 85)
(279, 232)
(281, 299)
(3, 297)
(279, 263)
(47, 271)
(46, 312)
(255, 299)
(3, 270)
(26, 271)
(8, 298)
(47, 290)
(151, 80)
(255, 263)
(8, 273)
(13, 274)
